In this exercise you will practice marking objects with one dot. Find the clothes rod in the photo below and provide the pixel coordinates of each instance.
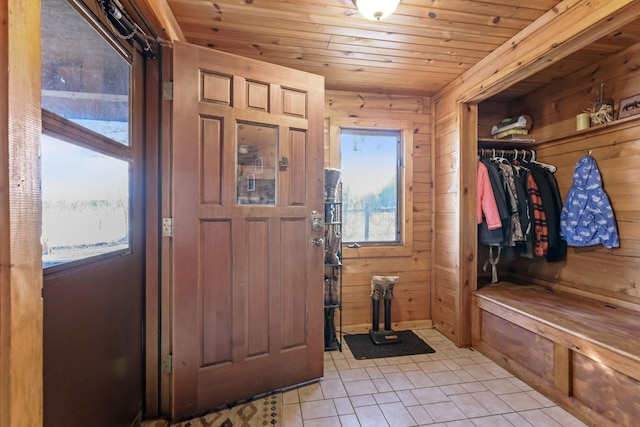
(513, 153)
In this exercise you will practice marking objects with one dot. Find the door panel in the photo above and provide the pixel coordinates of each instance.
(215, 301)
(211, 155)
(247, 283)
(93, 344)
(298, 155)
(293, 296)
(258, 292)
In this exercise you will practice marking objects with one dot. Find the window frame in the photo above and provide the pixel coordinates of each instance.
(375, 134)
(380, 249)
(70, 132)
(64, 135)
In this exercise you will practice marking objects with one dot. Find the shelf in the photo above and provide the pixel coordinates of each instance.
(579, 134)
(627, 122)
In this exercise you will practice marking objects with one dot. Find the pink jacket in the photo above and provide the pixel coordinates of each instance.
(486, 200)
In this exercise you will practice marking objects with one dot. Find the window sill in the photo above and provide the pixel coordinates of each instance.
(377, 251)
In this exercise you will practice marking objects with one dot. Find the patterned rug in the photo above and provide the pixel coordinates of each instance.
(256, 413)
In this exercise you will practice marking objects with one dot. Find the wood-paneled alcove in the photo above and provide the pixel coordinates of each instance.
(465, 109)
(463, 113)
(606, 272)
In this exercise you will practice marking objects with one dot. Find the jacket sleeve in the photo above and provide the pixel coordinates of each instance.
(605, 227)
(486, 201)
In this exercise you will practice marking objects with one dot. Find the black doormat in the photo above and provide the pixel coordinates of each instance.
(363, 348)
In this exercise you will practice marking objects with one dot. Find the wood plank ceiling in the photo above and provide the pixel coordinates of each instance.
(423, 46)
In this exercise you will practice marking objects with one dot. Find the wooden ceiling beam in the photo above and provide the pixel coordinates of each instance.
(571, 25)
(164, 15)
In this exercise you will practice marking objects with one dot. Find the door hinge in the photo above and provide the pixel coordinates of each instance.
(167, 91)
(167, 227)
(166, 364)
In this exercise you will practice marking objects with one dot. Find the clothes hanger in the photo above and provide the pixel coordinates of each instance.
(514, 155)
(517, 161)
(518, 152)
(498, 157)
(550, 168)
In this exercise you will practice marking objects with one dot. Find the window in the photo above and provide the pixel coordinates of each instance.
(256, 164)
(85, 202)
(375, 157)
(370, 164)
(84, 78)
(86, 153)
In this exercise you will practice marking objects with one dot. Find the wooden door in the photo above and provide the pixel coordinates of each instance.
(247, 281)
(92, 166)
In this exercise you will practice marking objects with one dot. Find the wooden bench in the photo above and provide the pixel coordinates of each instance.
(580, 352)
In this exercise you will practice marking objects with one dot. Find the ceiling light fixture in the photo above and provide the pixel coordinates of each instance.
(376, 10)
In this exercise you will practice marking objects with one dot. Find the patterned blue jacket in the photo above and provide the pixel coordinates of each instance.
(587, 218)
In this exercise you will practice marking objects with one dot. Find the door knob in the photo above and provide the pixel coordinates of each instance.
(317, 242)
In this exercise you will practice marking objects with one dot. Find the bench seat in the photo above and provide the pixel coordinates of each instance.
(581, 352)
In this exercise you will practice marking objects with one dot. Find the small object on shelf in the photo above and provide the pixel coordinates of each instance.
(601, 109)
(510, 132)
(517, 138)
(629, 106)
(583, 121)
(332, 249)
(522, 122)
(603, 115)
(332, 178)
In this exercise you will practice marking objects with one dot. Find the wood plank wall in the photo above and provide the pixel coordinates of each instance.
(20, 216)
(411, 304)
(608, 272)
(446, 235)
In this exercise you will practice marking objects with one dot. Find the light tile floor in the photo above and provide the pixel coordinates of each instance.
(453, 387)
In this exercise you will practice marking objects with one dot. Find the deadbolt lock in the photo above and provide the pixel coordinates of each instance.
(316, 221)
